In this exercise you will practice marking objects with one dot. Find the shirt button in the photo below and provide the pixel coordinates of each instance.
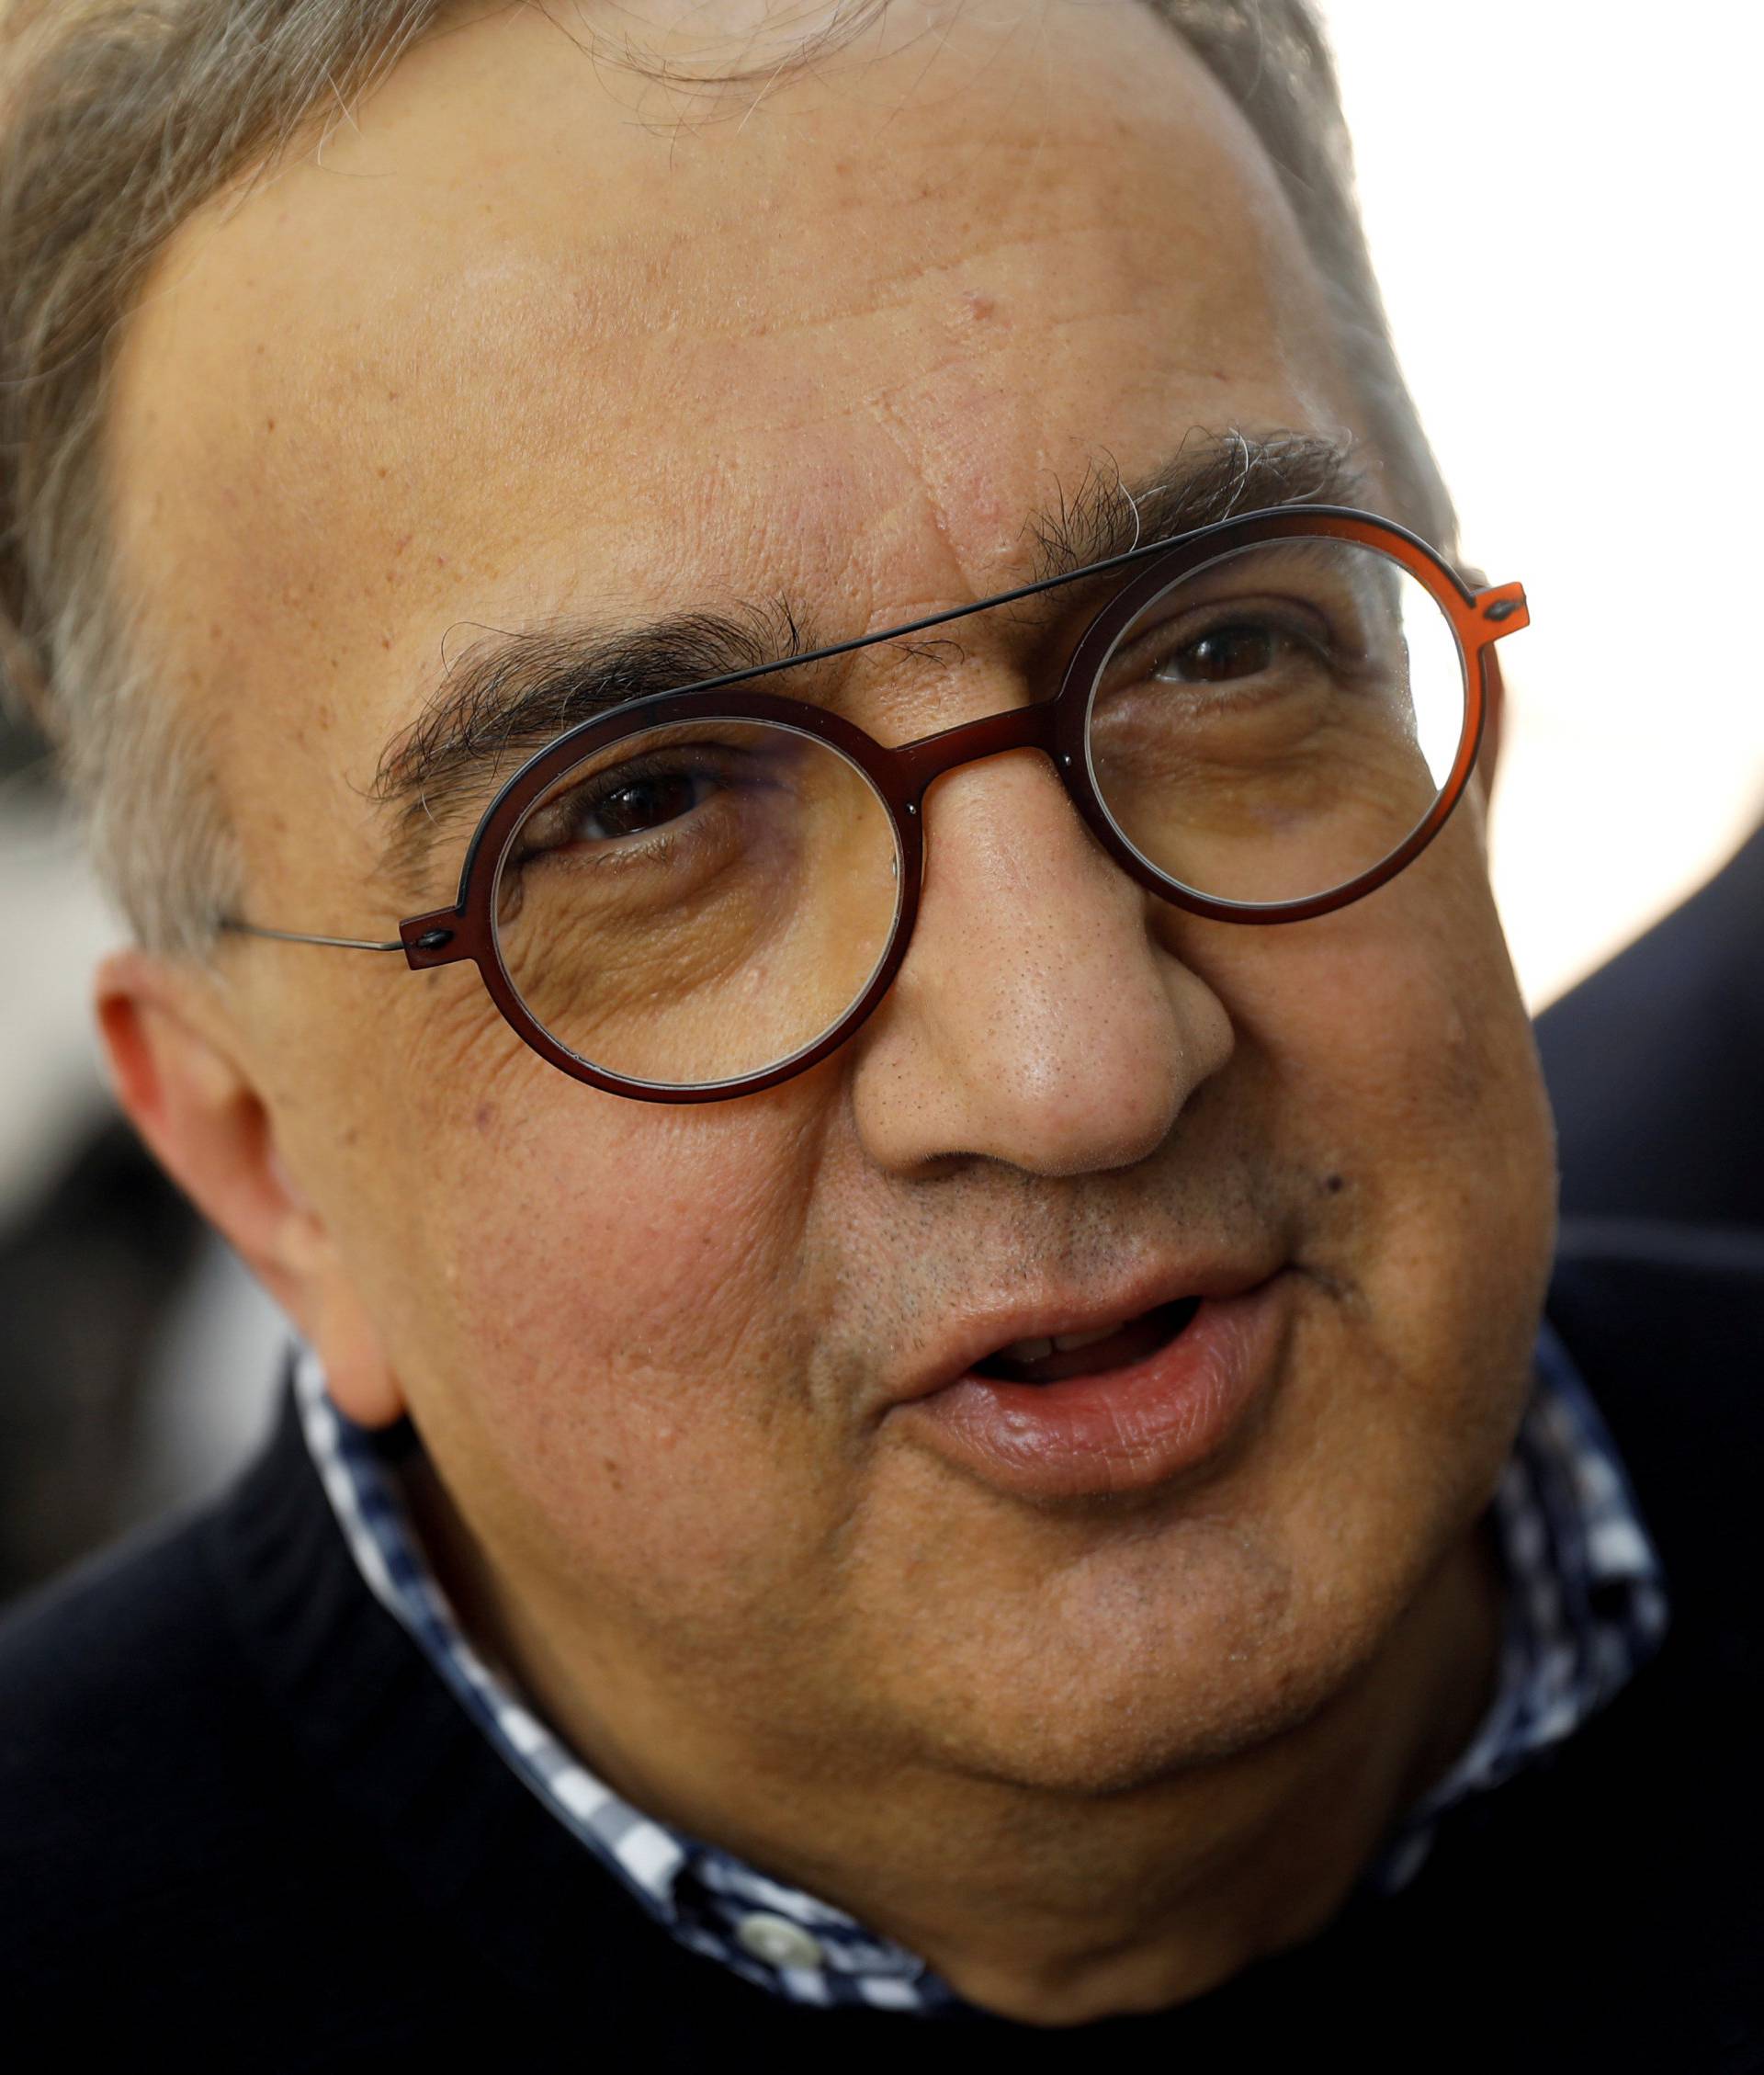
(777, 1941)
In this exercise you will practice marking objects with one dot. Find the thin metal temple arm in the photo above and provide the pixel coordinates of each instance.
(295, 936)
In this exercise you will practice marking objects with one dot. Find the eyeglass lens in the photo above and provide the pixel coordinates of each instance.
(1280, 721)
(699, 903)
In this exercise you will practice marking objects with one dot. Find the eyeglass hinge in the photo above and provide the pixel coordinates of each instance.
(1505, 606)
(430, 940)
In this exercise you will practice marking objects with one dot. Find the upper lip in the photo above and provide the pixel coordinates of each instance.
(985, 1332)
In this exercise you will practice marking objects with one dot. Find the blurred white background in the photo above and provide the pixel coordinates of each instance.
(1561, 201)
(1562, 204)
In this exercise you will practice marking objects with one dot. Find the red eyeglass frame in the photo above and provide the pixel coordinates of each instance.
(902, 776)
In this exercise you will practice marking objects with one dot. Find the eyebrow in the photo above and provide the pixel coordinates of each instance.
(513, 690)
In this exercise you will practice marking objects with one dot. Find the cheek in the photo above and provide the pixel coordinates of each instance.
(1399, 1074)
(611, 1242)
(1393, 1039)
(611, 1378)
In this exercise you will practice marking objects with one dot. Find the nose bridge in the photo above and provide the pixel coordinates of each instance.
(1036, 1020)
(1020, 727)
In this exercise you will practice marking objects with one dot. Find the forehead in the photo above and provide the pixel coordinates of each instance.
(532, 338)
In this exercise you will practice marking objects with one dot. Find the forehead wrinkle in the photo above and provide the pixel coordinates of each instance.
(541, 309)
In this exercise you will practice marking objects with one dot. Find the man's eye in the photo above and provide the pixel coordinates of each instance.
(1222, 654)
(638, 806)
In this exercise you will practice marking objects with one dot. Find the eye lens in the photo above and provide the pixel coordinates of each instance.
(1279, 721)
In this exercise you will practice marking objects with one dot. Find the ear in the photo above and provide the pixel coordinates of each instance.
(180, 1076)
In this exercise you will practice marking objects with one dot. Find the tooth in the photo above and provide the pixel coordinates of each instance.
(1029, 1349)
(1066, 1342)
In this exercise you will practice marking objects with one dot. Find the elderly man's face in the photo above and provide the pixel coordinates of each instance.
(534, 342)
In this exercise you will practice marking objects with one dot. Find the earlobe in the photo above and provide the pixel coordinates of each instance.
(208, 1124)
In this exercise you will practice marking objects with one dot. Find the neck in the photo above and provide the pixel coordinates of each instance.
(1048, 1909)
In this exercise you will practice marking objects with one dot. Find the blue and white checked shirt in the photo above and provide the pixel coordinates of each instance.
(1587, 1607)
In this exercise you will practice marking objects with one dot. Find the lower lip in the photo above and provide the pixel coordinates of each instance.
(1125, 1429)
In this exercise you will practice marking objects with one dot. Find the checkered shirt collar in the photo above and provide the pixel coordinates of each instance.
(1585, 1608)
(1586, 1599)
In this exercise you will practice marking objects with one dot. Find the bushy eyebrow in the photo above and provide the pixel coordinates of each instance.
(1212, 477)
(512, 690)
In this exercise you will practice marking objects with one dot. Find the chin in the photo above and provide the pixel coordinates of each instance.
(1122, 1701)
(1139, 1744)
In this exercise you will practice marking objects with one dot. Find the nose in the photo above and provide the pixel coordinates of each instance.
(1037, 1018)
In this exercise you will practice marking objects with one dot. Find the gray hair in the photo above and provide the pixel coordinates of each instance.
(118, 118)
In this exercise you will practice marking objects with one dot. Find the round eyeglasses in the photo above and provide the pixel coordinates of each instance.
(699, 894)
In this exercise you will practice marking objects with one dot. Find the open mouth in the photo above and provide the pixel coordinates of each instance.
(1064, 1355)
